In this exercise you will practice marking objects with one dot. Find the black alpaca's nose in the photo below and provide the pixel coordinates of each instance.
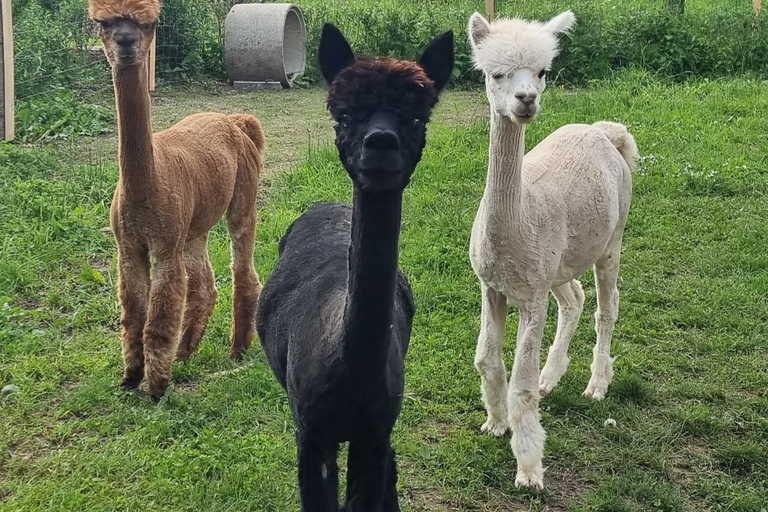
(381, 140)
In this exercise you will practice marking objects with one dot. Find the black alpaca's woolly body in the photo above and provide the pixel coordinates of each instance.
(335, 316)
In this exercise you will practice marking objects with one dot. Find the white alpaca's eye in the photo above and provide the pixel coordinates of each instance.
(498, 76)
(542, 73)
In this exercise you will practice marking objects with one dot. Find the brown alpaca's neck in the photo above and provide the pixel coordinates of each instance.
(134, 128)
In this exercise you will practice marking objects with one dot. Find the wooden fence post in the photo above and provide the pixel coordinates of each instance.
(676, 6)
(490, 7)
(6, 72)
(757, 5)
(151, 63)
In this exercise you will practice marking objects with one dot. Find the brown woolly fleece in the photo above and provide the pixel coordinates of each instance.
(173, 187)
(140, 11)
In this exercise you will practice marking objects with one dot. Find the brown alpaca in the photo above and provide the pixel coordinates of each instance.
(173, 187)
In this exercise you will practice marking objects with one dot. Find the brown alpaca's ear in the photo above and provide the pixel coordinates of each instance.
(437, 59)
(335, 53)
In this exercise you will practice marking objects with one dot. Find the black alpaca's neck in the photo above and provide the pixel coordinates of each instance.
(373, 255)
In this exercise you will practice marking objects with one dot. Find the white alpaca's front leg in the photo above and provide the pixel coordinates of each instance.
(523, 399)
(570, 302)
(489, 360)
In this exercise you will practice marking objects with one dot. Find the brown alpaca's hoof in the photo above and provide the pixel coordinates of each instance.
(132, 379)
(236, 354)
(156, 395)
(157, 389)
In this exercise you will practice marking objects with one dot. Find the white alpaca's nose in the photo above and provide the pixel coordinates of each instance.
(526, 97)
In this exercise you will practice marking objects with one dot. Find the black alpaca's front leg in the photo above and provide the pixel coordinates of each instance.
(391, 503)
(318, 477)
(368, 477)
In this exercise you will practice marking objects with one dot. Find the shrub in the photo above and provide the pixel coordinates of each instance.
(55, 41)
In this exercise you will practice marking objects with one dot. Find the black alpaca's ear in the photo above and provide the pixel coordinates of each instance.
(335, 52)
(437, 59)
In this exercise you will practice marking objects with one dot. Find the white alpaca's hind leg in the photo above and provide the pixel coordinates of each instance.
(523, 399)
(489, 360)
(570, 301)
(606, 275)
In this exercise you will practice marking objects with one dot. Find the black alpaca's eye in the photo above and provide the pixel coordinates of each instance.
(416, 120)
(498, 76)
(105, 24)
(345, 119)
(542, 73)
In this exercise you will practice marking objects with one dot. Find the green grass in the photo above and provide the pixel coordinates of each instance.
(689, 396)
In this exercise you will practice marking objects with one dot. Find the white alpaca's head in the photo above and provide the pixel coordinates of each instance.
(515, 55)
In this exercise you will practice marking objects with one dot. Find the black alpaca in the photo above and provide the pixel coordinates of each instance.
(335, 315)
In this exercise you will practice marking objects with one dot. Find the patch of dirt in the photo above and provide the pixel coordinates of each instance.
(295, 121)
(564, 486)
(431, 500)
(5, 495)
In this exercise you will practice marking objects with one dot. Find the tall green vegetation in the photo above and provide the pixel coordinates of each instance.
(62, 80)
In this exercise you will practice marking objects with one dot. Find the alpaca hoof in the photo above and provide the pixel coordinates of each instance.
(131, 380)
(533, 480)
(157, 390)
(182, 356)
(551, 374)
(595, 391)
(494, 427)
(129, 384)
(237, 354)
(546, 387)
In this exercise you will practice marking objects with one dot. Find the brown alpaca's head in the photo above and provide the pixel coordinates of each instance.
(126, 28)
(381, 108)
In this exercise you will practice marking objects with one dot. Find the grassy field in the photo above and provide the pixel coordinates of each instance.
(689, 396)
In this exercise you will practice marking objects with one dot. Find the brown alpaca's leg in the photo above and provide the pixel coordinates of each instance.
(246, 286)
(201, 296)
(161, 334)
(133, 291)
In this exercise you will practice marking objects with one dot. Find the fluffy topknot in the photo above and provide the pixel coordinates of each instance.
(371, 81)
(140, 11)
(514, 43)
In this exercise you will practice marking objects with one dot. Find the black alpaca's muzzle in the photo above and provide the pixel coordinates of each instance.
(382, 151)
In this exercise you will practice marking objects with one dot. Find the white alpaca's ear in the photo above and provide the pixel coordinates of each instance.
(562, 23)
(479, 28)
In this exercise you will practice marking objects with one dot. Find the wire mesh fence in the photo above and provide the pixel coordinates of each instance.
(63, 82)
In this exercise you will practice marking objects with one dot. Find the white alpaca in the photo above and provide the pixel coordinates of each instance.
(544, 219)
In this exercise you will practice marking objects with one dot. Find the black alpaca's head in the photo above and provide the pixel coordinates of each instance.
(381, 108)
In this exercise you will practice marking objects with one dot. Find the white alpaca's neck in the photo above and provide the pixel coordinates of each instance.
(503, 188)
